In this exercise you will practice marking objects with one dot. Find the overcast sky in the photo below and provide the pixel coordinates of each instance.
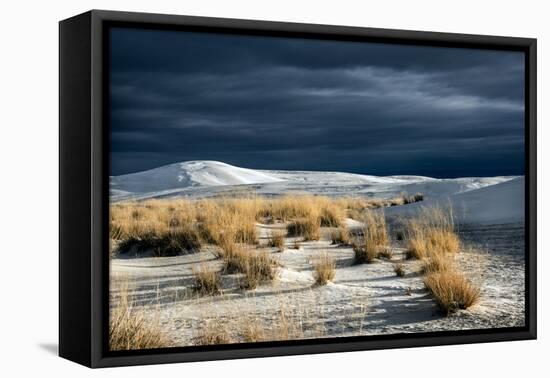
(297, 104)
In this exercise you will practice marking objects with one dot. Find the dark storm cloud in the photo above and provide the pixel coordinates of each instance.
(278, 103)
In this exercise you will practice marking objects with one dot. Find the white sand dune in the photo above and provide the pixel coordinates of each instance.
(185, 175)
(197, 179)
(495, 204)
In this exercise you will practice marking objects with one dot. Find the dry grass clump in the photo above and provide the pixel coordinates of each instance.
(213, 333)
(417, 197)
(276, 240)
(375, 238)
(207, 280)
(432, 233)
(228, 219)
(130, 329)
(234, 256)
(375, 230)
(289, 207)
(330, 214)
(309, 228)
(365, 253)
(355, 206)
(399, 269)
(324, 269)
(386, 253)
(177, 240)
(405, 199)
(253, 332)
(451, 290)
(165, 227)
(437, 263)
(340, 236)
(258, 268)
(174, 226)
(174, 241)
(432, 238)
(296, 244)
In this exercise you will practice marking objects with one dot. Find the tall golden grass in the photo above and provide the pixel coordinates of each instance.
(207, 280)
(451, 290)
(432, 238)
(309, 228)
(175, 226)
(256, 267)
(324, 269)
(340, 236)
(375, 237)
(277, 240)
(431, 233)
(213, 333)
(130, 328)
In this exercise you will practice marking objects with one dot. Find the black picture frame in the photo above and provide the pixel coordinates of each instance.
(84, 172)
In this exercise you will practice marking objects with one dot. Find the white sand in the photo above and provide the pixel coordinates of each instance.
(207, 178)
(363, 299)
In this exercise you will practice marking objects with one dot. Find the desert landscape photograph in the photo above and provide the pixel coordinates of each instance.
(269, 189)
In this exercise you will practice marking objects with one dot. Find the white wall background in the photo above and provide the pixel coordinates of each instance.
(29, 185)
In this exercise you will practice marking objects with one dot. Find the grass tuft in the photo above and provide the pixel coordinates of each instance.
(432, 233)
(207, 281)
(213, 333)
(258, 268)
(340, 236)
(130, 329)
(324, 269)
(309, 228)
(399, 269)
(451, 291)
(277, 240)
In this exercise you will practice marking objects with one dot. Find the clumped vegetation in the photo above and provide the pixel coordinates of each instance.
(172, 227)
(375, 238)
(451, 290)
(324, 269)
(437, 263)
(432, 233)
(130, 329)
(432, 239)
(356, 206)
(365, 253)
(253, 332)
(386, 253)
(213, 333)
(277, 240)
(399, 269)
(309, 228)
(330, 214)
(207, 280)
(258, 268)
(340, 236)
(405, 199)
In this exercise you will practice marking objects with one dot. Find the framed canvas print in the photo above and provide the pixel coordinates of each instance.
(233, 188)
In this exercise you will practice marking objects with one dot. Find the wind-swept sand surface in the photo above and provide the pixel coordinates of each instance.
(363, 299)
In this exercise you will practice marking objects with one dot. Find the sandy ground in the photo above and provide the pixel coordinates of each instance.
(364, 299)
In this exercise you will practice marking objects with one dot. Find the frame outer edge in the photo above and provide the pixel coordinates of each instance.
(532, 164)
(97, 202)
